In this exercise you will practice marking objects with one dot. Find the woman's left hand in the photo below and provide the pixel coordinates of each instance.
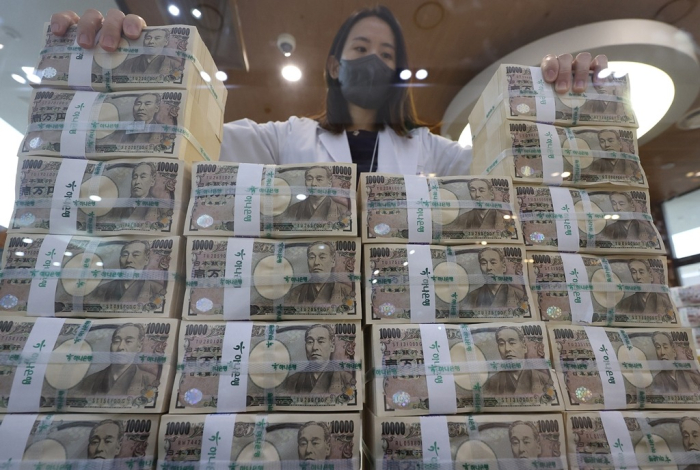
(560, 69)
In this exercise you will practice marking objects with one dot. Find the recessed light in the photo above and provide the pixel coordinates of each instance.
(173, 10)
(197, 13)
(301, 197)
(405, 74)
(291, 73)
(421, 74)
(484, 243)
(95, 198)
(205, 76)
(2, 46)
(690, 174)
(68, 253)
(27, 240)
(221, 76)
(19, 78)
(19, 253)
(566, 174)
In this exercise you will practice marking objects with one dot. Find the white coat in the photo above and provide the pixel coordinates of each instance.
(301, 140)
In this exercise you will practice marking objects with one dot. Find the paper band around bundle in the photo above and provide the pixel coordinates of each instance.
(89, 128)
(218, 429)
(622, 450)
(86, 260)
(89, 204)
(647, 460)
(77, 273)
(435, 205)
(600, 287)
(535, 216)
(74, 136)
(268, 367)
(28, 380)
(435, 439)
(476, 358)
(422, 301)
(545, 104)
(267, 280)
(233, 384)
(614, 394)
(462, 368)
(93, 357)
(42, 289)
(471, 278)
(15, 430)
(442, 393)
(420, 222)
(80, 70)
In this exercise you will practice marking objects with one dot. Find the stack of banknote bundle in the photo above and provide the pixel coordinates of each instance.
(91, 285)
(687, 299)
(271, 321)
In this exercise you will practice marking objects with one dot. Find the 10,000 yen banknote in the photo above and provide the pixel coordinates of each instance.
(63, 275)
(100, 126)
(605, 291)
(250, 366)
(446, 369)
(273, 201)
(613, 369)
(668, 440)
(119, 197)
(469, 442)
(245, 278)
(112, 366)
(575, 220)
(172, 56)
(119, 442)
(450, 210)
(263, 441)
(446, 284)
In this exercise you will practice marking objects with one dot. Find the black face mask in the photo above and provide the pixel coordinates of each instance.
(366, 81)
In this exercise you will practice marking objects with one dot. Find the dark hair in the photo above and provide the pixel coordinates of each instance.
(398, 112)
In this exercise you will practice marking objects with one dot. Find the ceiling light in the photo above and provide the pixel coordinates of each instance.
(19, 253)
(291, 73)
(697, 173)
(690, 174)
(221, 76)
(661, 55)
(645, 81)
(607, 216)
(95, 198)
(566, 174)
(173, 10)
(19, 78)
(205, 76)
(506, 216)
(301, 197)
(484, 243)
(28, 240)
(2, 46)
(287, 54)
(405, 74)
(33, 78)
(56, 263)
(376, 271)
(421, 74)
(196, 13)
(28, 70)
(99, 263)
(68, 253)
(615, 216)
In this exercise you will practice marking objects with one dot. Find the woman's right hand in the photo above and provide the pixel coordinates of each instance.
(92, 21)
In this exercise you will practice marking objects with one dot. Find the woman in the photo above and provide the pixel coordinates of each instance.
(367, 120)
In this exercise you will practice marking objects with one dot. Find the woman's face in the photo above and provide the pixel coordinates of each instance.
(371, 36)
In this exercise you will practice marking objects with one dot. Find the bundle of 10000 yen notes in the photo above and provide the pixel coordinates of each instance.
(170, 57)
(103, 277)
(633, 439)
(446, 369)
(246, 278)
(101, 126)
(576, 220)
(686, 296)
(630, 290)
(450, 210)
(65, 365)
(314, 199)
(612, 368)
(263, 441)
(469, 442)
(118, 197)
(517, 92)
(78, 441)
(446, 284)
(534, 153)
(250, 366)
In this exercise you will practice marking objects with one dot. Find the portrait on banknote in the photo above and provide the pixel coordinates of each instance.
(105, 440)
(512, 346)
(481, 190)
(318, 204)
(154, 62)
(624, 228)
(319, 377)
(134, 257)
(644, 301)
(671, 381)
(321, 288)
(314, 441)
(117, 378)
(492, 262)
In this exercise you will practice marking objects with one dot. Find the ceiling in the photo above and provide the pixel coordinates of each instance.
(453, 39)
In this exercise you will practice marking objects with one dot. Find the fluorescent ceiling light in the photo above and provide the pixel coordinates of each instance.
(19, 78)
(291, 73)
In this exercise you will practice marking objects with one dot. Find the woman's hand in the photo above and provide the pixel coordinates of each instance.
(92, 21)
(558, 70)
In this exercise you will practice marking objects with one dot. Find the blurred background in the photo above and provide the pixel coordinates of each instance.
(450, 42)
